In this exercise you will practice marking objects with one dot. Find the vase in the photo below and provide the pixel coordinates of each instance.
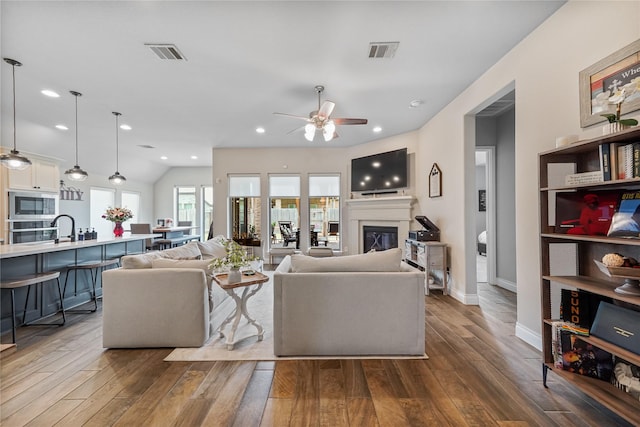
(118, 230)
(614, 127)
(234, 276)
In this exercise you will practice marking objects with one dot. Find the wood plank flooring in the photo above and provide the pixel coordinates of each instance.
(478, 374)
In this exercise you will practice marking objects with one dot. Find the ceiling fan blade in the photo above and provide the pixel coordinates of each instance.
(294, 116)
(345, 121)
(326, 109)
(295, 130)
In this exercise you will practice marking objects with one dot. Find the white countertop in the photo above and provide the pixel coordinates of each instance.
(22, 249)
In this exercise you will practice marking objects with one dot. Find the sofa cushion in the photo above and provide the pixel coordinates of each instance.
(202, 264)
(388, 260)
(212, 248)
(188, 251)
(139, 261)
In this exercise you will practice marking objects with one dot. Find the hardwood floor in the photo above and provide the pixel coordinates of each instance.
(478, 374)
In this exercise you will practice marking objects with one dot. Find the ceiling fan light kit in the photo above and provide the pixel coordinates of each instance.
(320, 119)
(14, 160)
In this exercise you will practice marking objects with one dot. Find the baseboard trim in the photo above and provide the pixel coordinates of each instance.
(508, 285)
(529, 336)
(466, 299)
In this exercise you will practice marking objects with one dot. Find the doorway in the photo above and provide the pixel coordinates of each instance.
(493, 223)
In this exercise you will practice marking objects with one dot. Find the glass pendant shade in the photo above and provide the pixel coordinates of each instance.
(116, 178)
(76, 173)
(14, 160)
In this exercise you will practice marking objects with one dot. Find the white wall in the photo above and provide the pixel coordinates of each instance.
(301, 161)
(544, 68)
(79, 210)
(177, 177)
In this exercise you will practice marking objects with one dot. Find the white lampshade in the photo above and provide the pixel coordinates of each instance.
(309, 131)
(328, 130)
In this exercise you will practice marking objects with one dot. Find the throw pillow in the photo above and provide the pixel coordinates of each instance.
(139, 261)
(388, 260)
(213, 248)
(188, 251)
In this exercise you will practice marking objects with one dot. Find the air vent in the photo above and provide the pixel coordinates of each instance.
(383, 50)
(146, 146)
(166, 51)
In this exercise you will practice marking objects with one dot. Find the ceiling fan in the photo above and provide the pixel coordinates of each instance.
(320, 119)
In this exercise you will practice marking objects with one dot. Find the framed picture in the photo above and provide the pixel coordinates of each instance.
(609, 73)
(435, 181)
(482, 200)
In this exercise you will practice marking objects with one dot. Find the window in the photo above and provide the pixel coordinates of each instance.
(284, 215)
(132, 202)
(100, 199)
(186, 204)
(207, 211)
(245, 208)
(324, 210)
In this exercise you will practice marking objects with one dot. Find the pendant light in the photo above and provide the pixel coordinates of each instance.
(116, 178)
(14, 160)
(76, 173)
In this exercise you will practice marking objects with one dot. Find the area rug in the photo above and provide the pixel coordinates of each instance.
(260, 307)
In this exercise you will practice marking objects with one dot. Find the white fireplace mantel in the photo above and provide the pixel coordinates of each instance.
(378, 211)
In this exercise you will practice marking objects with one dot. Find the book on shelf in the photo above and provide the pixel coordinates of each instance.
(557, 328)
(583, 358)
(605, 161)
(626, 220)
(579, 308)
(585, 212)
(624, 161)
(585, 178)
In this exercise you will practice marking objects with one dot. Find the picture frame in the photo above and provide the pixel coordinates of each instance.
(435, 181)
(482, 200)
(615, 70)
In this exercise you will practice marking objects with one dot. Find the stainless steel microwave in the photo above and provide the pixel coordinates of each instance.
(32, 206)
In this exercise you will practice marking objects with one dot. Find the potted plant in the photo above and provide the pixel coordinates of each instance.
(617, 98)
(235, 257)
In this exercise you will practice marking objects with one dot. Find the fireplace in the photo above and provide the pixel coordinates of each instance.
(379, 238)
(386, 214)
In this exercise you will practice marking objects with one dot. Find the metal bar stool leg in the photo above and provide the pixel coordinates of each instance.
(13, 316)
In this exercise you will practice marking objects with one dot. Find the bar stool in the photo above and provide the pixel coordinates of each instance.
(32, 279)
(93, 267)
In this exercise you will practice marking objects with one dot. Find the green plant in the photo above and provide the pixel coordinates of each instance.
(235, 257)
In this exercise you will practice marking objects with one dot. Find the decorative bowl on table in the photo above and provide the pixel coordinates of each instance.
(631, 277)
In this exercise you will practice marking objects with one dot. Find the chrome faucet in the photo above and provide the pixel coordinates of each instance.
(73, 227)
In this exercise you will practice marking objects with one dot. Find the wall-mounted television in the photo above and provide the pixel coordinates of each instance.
(380, 172)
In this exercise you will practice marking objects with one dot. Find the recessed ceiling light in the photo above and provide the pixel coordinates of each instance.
(163, 157)
(260, 129)
(416, 103)
(377, 129)
(62, 127)
(125, 127)
(194, 157)
(50, 93)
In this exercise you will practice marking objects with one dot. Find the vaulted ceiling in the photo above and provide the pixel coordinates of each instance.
(242, 62)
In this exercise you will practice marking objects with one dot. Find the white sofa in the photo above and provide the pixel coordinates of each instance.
(161, 299)
(370, 304)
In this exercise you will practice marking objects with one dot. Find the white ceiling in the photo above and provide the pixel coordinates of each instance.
(245, 60)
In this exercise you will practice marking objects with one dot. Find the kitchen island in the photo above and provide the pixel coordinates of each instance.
(29, 258)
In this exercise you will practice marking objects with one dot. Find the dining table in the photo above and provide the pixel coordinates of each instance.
(173, 236)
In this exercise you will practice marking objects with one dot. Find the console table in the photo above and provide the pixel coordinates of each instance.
(428, 257)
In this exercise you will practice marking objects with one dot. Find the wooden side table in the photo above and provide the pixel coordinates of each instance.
(241, 303)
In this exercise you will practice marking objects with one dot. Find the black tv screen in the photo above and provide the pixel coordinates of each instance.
(379, 172)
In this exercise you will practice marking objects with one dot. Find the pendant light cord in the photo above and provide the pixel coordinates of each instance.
(13, 66)
(76, 96)
(117, 145)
